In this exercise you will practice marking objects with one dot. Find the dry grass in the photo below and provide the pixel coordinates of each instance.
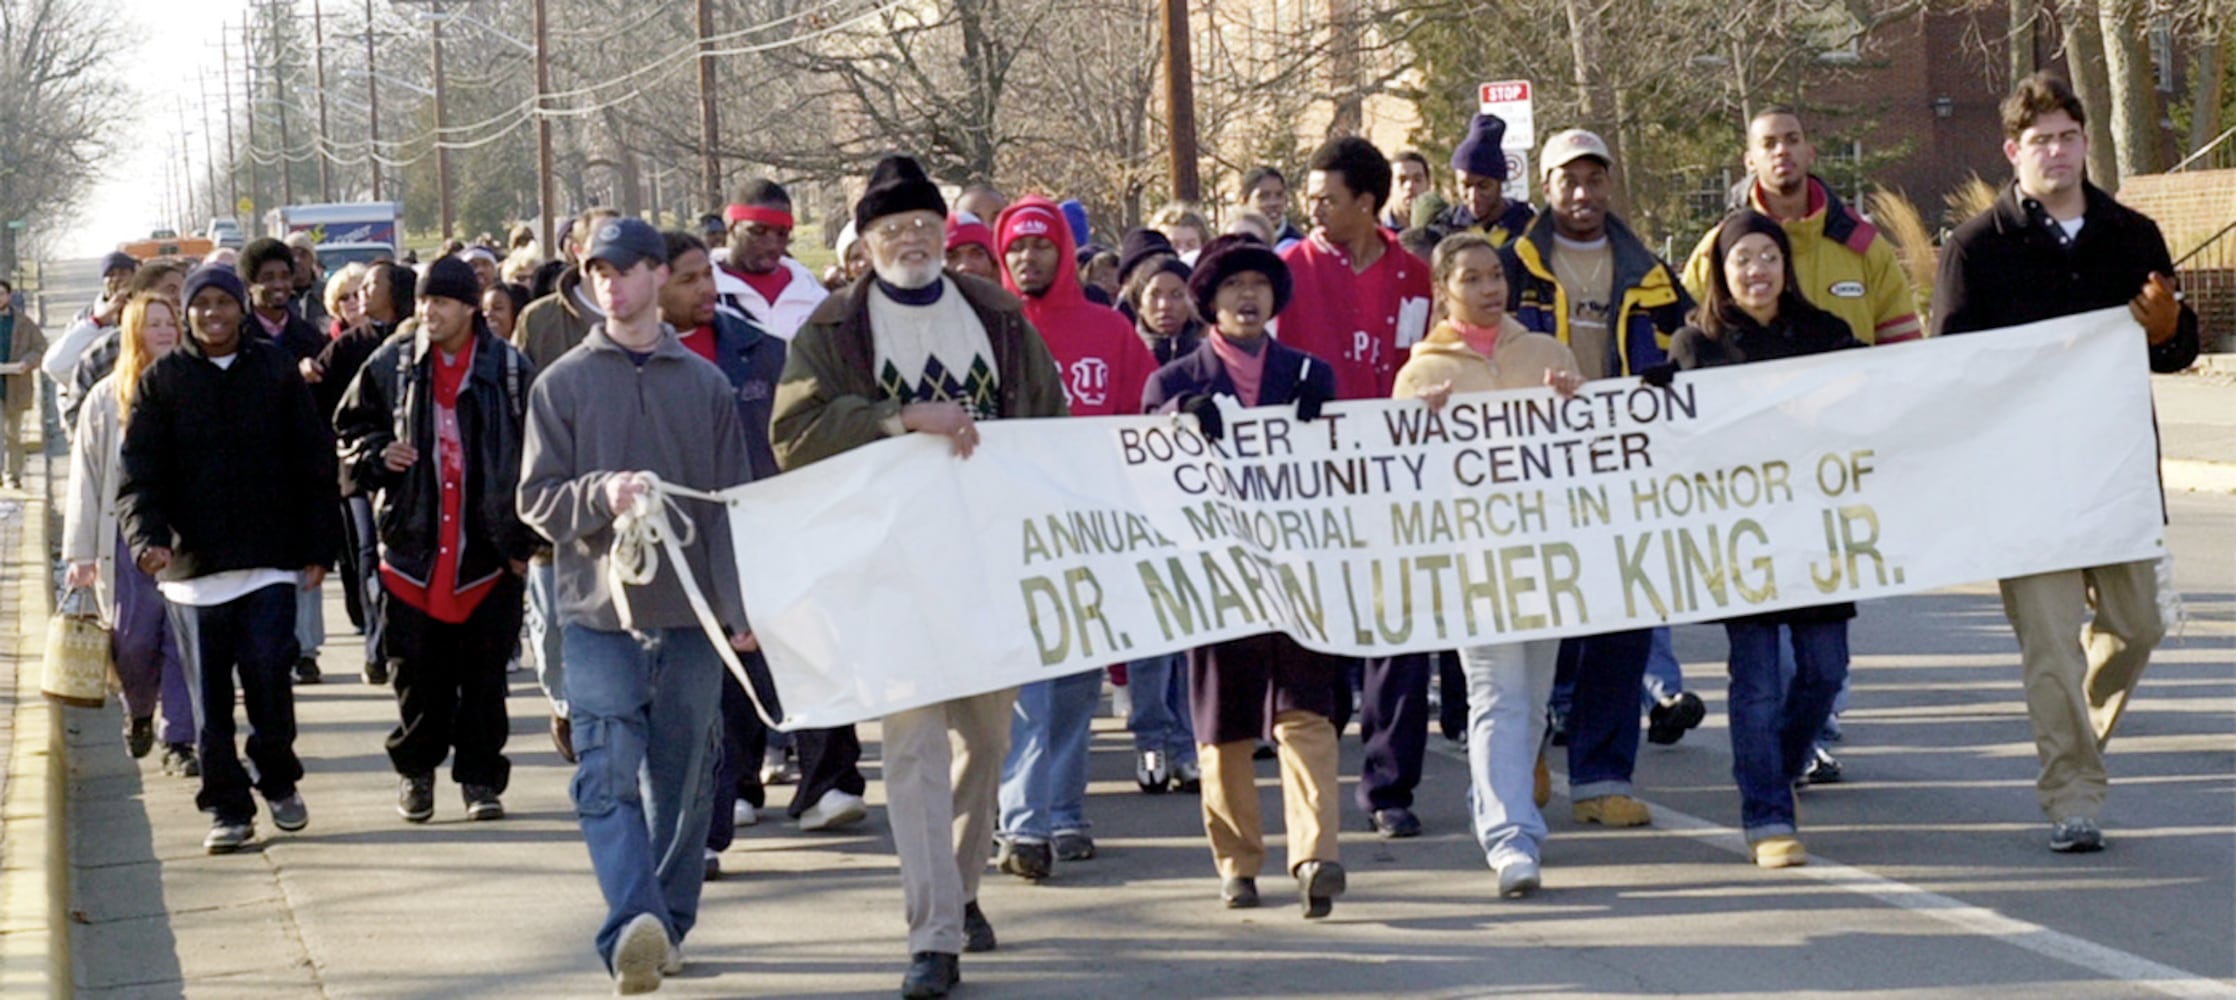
(1898, 220)
(1969, 199)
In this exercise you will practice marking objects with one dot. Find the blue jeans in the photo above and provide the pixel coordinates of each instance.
(253, 636)
(1774, 724)
(1160, 719)
(646, 720)
(1786, 668)
(544, 632)
(1603, 724)
(1664, 677)
(1507, 686)
(1044, 778)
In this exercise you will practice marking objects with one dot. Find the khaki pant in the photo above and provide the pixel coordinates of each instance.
(2078, 673)
(943, 768)
(1310, 807)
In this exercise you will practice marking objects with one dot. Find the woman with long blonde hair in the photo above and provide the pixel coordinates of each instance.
(148, 661)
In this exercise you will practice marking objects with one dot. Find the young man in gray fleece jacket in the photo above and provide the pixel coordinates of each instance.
(643, 682)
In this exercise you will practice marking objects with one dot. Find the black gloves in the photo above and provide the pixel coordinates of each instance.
(1659, 376)
(1309, 398)
(1206, 411)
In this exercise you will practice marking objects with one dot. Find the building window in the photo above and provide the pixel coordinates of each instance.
(1841, 165)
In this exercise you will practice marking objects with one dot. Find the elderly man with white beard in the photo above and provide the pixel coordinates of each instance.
(908, 349)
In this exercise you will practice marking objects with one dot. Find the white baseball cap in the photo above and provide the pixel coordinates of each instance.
(1568, 146)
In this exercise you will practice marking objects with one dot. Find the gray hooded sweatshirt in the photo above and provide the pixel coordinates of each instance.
(597, 412)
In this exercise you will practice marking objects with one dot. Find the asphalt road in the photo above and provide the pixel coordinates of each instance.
(1930, 878)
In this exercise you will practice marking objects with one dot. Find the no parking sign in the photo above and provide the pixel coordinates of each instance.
(1510, 101)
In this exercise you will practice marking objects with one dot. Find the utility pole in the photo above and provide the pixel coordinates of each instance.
(546, 205)
(249, 225)
(185, 165)
(278, 30)
(209, 147)
(1180, 102)
(442, 151)
(325, 139)
(709, 127)
(372, 105)
(232, 161)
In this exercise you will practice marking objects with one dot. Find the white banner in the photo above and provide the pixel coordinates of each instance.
(897, 575)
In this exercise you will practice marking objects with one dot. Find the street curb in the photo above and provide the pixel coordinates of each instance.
(2223, 361)
(34, 851)
(2191, 476)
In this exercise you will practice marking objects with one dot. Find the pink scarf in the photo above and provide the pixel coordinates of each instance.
(1247, 370)
(1480, 339)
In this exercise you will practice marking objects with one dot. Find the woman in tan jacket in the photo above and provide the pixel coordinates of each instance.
(22, 344)
(1477, 347)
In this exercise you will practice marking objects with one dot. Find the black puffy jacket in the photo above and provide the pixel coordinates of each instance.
(394, 389)
(230, 468)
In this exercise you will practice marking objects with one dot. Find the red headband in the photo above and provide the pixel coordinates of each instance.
(775, 218)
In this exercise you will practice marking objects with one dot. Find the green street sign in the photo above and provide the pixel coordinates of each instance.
(16, 224)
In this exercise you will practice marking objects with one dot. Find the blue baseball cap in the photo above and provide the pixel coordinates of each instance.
(624, 241)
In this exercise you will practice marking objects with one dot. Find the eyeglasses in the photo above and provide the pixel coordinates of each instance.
(893, 229)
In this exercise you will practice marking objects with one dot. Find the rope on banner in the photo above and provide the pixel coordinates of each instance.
(657, 523)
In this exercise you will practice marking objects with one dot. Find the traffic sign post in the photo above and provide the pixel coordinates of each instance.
(1511, 101)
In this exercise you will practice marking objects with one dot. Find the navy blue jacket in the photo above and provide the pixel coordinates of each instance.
(1201, 372)
(752, 359)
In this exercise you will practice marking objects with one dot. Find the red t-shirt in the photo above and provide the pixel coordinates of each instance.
(769, 285)
(700, 340)
(1360, 322)
(442, 599)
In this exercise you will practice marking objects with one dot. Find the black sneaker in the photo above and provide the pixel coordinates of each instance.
(1396, 823)
(481, 803)
(1823, 769)
(1669, 720)
(978, 932)
(2076, 836)
(306, 671)
(415, 798)
(376, 673)
(1027, 861)
(139, 736)
(1318, 883)
(1074, 845)
(1556, 728)
(1239, 893)
(179, 760)
(931, 974)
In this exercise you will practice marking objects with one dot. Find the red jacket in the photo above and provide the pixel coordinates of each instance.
(1362, 323)
(1103, 362)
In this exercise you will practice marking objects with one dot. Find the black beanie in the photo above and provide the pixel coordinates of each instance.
(451, 278)
(1231, 255)
(897, 184)
(1136, 247)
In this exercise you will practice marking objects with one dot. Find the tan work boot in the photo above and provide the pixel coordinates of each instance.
(1613, 810)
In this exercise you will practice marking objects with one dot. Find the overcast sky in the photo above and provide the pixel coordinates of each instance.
(167, 45)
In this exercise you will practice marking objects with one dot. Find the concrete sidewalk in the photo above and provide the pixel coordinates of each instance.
(2197, 425)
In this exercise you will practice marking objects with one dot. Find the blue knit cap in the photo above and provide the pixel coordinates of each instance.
(1479, 153)
(215, 276)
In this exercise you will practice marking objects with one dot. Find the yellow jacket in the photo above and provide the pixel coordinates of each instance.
(1844, 267)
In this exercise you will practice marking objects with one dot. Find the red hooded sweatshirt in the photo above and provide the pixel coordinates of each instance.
(1103, 361)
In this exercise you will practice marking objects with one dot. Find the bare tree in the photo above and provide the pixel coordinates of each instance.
(60, 106)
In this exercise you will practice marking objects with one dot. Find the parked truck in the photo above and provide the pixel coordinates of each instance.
(343, 232)
(166, 243)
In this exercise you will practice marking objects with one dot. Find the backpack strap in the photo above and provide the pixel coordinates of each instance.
(513, 395)
(403, 403)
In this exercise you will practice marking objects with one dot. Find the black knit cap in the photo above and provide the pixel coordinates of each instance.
(1136, 247)
(897, 184)
(451, 278)
(1231, 255)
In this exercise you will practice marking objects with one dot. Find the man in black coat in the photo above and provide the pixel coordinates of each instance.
(228, 498)
(432, 427)
(2055, 245)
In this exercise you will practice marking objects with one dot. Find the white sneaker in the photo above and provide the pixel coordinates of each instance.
(673, 964)
(638, 955)
(1519, 877)
(835, 810)
(743, 814)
